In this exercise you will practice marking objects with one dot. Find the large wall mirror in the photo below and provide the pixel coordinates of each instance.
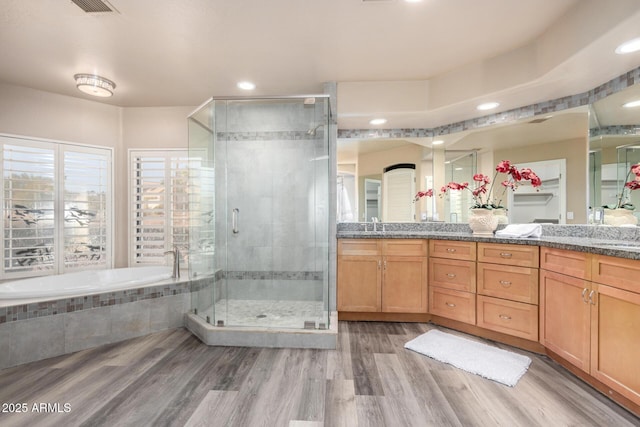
(559, 137)
(614, 146)
(583, 155)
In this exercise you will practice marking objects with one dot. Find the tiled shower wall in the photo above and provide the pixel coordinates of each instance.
(277, 176)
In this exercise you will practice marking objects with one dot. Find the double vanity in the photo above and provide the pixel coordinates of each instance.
(573, 294)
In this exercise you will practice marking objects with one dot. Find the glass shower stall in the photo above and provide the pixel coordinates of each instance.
(259, 208)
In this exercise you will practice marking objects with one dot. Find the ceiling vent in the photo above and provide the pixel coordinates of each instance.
(94, 6)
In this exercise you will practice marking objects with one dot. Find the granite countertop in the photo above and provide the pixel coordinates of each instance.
(619, 242)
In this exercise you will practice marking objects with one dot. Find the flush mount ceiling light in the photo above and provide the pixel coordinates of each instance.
(437, 142)
(487, 106)
(377, 122)
(246, 85)
(632, 104)
(629, 46)
(94, 85)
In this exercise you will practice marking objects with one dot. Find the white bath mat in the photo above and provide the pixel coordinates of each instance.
(489, 362)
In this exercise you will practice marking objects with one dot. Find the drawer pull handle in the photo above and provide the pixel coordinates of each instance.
(591, 299)
(451, 250)
(505, 255)
(451, 275)
(450, 304)
(505, 283)
(504, 317)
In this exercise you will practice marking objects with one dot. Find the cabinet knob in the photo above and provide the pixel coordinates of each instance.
(505, 255)
(505, 283)
(451, 275)
(584, 293)
(451, 250)
(450, 304)
(504, 317)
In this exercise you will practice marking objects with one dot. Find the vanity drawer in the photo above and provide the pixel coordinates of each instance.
(455, 305)
(513, 318)
(505, 281)
(519, 255)
(452, 274)
(452, 249)
(359, 247)
(571, 263)
(404, 247)
(621, 273)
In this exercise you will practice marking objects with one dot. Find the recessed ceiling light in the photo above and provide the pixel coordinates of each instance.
(629, 46)
(377, 121)
(488, 106)
(94, 85)
(413, 1)
(632, 104)
(246, 85)
(437, 142)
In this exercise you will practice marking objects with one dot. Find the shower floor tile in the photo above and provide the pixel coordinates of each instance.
(267, 313)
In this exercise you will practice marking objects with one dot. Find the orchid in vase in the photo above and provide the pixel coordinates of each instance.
(483, 193)
(630, 185)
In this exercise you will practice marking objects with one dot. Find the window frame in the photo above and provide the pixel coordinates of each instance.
(59, 148)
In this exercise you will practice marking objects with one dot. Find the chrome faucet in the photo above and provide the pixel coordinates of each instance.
(176, 262)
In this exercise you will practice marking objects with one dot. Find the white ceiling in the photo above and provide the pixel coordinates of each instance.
(454, 52)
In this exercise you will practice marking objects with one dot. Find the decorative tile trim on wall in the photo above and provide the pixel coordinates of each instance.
(267, 136)
(274, 275)
(612, 86)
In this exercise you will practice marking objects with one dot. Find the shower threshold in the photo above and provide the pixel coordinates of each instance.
(278, 324)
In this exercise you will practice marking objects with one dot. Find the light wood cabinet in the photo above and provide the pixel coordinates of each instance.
(452, 304)
(507, 287)
(594, 325)
(615, 340)
(452, 249)
(565, 317)
(509, 317)
(452, 280)
(516, 255)
(382, 275)
(360, 274)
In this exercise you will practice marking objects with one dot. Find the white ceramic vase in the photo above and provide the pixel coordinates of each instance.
(483, 222)
(501, 213)
(619, 216)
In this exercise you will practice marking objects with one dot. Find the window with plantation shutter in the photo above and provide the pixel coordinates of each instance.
(159, 205)
(56, 203)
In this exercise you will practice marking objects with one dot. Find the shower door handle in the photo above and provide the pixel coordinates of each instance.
(234, 220)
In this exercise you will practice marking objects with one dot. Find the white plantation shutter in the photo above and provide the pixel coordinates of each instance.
(159, 204)
(87, 204)
(56, 203)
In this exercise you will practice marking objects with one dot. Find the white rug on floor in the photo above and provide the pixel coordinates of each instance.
(481, 359)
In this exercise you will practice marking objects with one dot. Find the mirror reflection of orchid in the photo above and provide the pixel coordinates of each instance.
(630, 185)
(483, 192)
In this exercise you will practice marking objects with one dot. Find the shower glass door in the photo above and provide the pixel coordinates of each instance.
(270, 173)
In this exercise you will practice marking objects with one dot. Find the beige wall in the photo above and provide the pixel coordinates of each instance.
(32, 113)
(576, 153)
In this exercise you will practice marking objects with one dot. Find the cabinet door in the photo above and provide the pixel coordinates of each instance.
(615, 350)
(359, 283)
(404, 288)
(565, 317)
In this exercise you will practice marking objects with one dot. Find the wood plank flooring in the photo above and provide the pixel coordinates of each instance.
(171, 379)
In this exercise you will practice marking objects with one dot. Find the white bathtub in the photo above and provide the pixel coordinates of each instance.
(83, 282)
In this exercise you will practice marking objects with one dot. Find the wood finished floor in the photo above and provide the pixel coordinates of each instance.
(171, 379)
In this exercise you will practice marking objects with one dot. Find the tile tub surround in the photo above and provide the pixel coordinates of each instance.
(583, 238)
(39, 330)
